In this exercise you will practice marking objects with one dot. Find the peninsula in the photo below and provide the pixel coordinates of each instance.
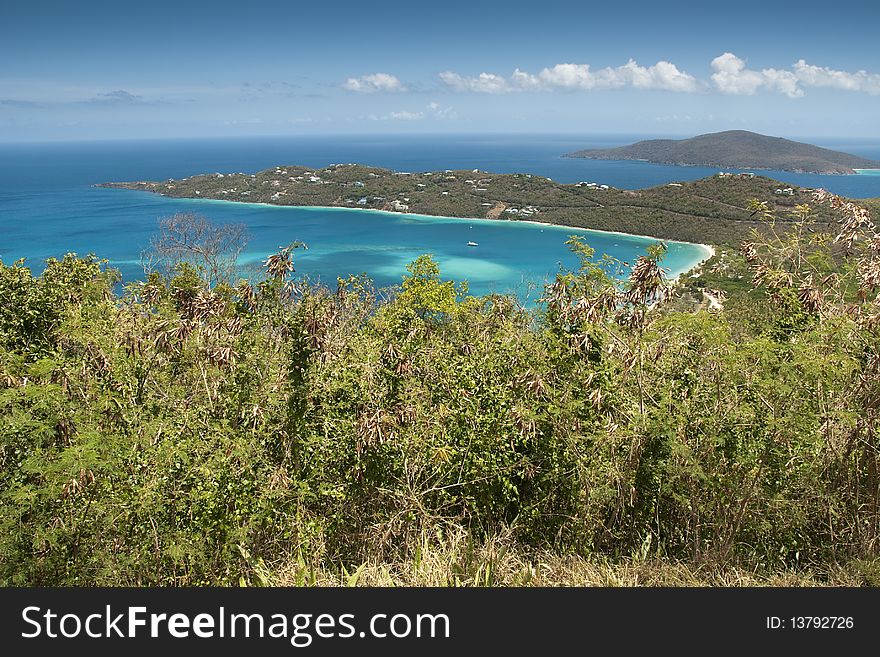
(738, 149)
(712, 210)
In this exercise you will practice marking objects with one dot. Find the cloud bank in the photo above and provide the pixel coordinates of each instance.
(662, 75)
(730, 75)
(822, 76)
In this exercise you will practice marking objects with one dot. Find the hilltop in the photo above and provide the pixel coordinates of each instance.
(737, 149)
(711, 210)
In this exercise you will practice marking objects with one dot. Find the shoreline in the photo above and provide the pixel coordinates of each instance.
(707, 247)
(708, 250)
(709, 253)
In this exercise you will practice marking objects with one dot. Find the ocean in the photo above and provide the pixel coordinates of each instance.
(49, 206)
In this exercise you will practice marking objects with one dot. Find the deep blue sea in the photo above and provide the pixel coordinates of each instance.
(48, 205)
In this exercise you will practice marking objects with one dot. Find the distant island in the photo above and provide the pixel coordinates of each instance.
(737, 149)
(712, 210)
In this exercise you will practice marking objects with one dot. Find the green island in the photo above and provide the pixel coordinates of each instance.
(738, 149)
(200, 429)
(712, 210)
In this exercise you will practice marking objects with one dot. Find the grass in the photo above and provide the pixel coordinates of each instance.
(454, 561)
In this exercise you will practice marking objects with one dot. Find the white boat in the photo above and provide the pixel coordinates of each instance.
(472, 244)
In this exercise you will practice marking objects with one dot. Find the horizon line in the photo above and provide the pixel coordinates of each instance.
(399, 135)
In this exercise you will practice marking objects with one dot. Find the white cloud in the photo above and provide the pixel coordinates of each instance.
(438, 111)
(573, 76)
(433, 110)
(732, 77)
(662, 75)
(822, 76)
(525, 81)
(407, 116)
(488, 83)
(374, 82)
(785, 82)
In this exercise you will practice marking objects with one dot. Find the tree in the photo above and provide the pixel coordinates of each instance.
(186, 237)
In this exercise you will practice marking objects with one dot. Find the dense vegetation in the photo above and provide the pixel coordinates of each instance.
(199, 430)
(739, 149)
(713, 210)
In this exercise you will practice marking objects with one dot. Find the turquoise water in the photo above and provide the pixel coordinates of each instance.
(867, 172)
(513, 257)
(48, 205)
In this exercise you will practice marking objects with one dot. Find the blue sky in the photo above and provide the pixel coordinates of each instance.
(111, 70)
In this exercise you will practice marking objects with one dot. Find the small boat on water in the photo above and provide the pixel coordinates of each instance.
(472, 244)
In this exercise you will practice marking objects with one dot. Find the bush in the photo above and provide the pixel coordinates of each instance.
(186, 434)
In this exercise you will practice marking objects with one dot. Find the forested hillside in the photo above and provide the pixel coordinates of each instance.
(713, 210)
(738, 149)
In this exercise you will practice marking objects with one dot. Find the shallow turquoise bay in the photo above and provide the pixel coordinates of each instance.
(512, 257)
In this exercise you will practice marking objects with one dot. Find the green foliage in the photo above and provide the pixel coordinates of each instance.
(737, 149)
(424, 293)
(33, 307)
(186, 435)
(712, 210)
